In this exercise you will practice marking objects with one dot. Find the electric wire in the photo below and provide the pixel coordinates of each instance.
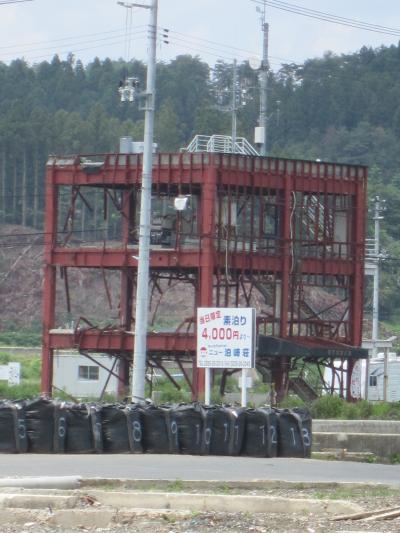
(105, 40)
(327, 17)
(81, 36)
(6, 2)
(214, 52)
(222, 45)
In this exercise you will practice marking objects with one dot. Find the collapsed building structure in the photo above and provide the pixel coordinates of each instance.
(284, 236)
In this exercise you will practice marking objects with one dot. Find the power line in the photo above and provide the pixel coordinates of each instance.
(192, 37)
(243, 51)
(328, 17)
(68, 45)
(49, 41)
(210, 51)
(5, 2)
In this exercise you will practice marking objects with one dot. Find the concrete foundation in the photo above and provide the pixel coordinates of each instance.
(378, 437)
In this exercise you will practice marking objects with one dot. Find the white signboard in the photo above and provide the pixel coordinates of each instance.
(226, 337)
(355, 383)
(11, 373)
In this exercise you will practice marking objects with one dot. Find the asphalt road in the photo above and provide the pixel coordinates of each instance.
(196, 468)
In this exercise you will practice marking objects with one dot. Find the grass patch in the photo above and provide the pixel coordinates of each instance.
(343, 493)
(335, 407)
(30, 377)
(224, 489)
(395, 459)
(175, 486)
(166, 392)
(21, 337)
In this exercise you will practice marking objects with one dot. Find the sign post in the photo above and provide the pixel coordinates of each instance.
(244, 387)
(207, 386)
(226, 339)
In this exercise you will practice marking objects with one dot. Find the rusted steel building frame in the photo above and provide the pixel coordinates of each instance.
(229, 266)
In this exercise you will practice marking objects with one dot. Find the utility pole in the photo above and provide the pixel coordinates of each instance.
(234, 106)
(263, 78)
(142, 291)
(374, 257)
(378, 209)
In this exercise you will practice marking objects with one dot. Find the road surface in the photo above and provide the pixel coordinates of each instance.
(187, 467)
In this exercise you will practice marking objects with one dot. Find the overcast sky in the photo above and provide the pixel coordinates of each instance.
(37, 30)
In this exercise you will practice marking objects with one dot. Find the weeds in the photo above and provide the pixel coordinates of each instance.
(175, 486)
(224, 489)
(335, 407)
(395, 459)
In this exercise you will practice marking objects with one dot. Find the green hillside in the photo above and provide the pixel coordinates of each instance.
(341, 108)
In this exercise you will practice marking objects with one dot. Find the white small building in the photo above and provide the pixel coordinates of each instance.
(376, 378)
(80, 377)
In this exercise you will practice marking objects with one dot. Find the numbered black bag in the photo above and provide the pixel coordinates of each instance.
(13, 438)
(306, 428)
(134, 422)
(115, 429)
(83, 423)
(207, 414)
(60, 427)
(39, 414)
(292, 440)
(261, 434)
(190, 428)
(227, 430)
(160, 430)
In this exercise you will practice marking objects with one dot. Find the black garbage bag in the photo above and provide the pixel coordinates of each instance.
(292, 441)
(306, 428)
(207, 415)
(190, 428)
(7, 430)
(122, 429)
(160, 430)
(84, 433)
(115, 429)
(39, 414)
(134, 422)
(227, 426)
(60, 427)
(13, 437)
(261, 434)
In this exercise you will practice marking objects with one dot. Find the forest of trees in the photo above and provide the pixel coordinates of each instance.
(339, 108)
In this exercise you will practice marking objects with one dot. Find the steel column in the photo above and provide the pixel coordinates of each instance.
(49, 285)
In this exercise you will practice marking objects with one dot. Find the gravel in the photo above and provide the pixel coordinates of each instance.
(170, 522)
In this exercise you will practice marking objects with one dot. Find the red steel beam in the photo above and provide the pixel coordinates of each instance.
(207, 259)
(120, 258)
(49, 285)
(190, 168)
(100, 341)
(170, 259)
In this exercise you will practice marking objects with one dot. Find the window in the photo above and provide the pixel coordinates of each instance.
(373, 381)
(271, 220)
(88, 373)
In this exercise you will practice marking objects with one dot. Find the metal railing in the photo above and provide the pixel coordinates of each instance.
(222, 144)
(370, 249)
